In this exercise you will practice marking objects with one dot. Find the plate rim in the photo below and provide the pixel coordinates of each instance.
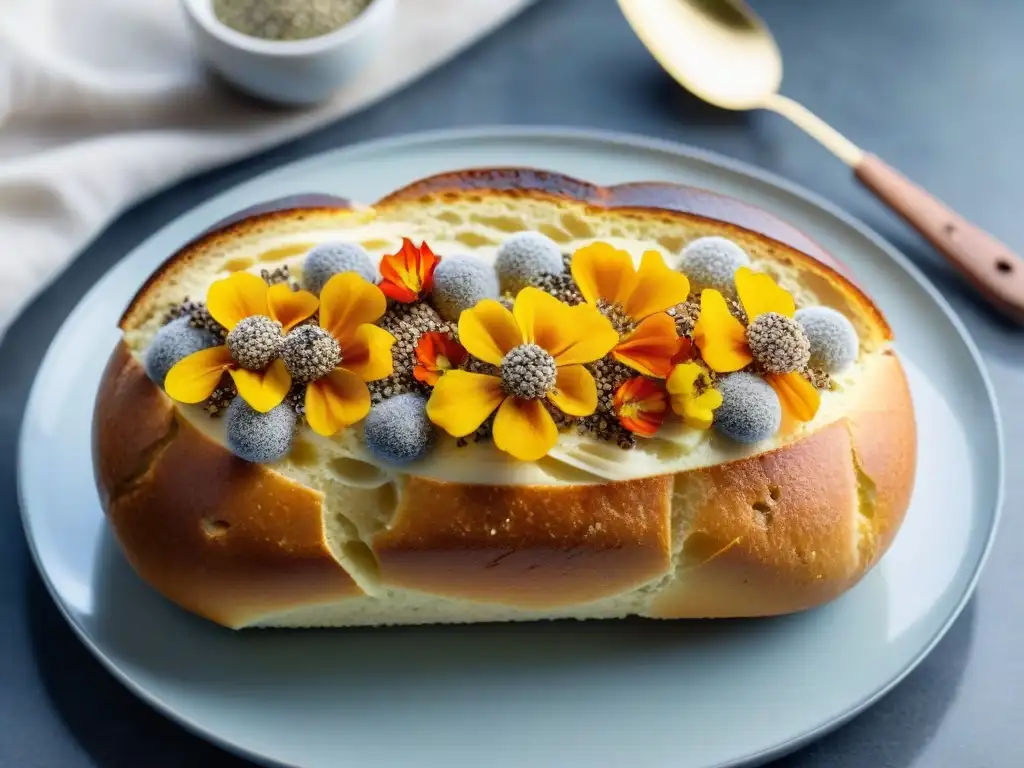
(606, 139)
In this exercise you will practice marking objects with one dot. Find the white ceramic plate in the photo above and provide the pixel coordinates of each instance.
(679, 694)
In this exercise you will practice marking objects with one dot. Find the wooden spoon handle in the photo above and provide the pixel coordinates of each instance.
(987, 263)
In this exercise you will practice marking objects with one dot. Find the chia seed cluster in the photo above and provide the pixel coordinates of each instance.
(406, 322)
(620, 321)
(608, 375)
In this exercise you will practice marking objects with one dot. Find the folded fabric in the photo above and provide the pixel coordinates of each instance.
(105, 101)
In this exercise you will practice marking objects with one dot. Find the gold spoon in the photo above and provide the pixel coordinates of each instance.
(723, 53)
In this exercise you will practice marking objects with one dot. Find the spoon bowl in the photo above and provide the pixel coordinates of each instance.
(723, 53)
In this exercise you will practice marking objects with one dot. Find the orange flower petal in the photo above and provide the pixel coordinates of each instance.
(524, 429)
(263, 390)
(489, 331)
(367, 353)
(603, 272)
(798, 397)
(587, 336)
(650, 347)
(657, 287)
(236, 297)
(575, 392)
(461, 401)
(759, 294)
(347, 301)
(684, 352)
(289, 307)
(408, 274)
(437, 352)
(640, 405)
(424, 375)
(193, 378)
(721, 338)
(336, 401)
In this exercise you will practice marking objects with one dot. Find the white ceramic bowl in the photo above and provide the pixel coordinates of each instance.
(293, 72)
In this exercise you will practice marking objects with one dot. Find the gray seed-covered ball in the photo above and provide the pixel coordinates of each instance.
(255, 341)
(172, 343)
(260, 437)
(711, 262)
(750, 409)
(398, 431)
(329, 259)
(778, 343)
(310, 353)
(833, 339)
(459, 283)
(528, 371)
(525, 256)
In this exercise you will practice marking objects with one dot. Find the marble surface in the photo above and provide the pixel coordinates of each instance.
(932, 86)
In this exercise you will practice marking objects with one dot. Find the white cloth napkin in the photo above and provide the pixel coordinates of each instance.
(104, 101)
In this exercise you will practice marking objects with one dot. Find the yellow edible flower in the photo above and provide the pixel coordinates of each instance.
(239, 297)
(692, 396)
(722, 339)
(539, 348)
(608, 280)
(349, 307)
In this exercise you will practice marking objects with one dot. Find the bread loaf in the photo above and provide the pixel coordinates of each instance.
(391, 520)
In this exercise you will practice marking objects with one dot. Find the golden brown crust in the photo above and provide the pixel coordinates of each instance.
(770, 534)
(884, 440)
(221, 537)
(789, 529)
(124, 442)
(533, 547)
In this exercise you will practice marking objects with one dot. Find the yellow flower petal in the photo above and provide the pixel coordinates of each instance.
(263, 390)
(587, 336)
(696, 410)
(462, 400)
(798, 397)
(650, 347)
(683, 378)
(541, 318)
(575, 392)
(237, 297)
(347, 301)
(657, 288)
(368, 353)
(337, 400)
(524, 429)
(193, 379)
(290, 307)
(710, 399)
(603, 272)
(759, 294)
(721, 338)
(699, 412)
(489, 331)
